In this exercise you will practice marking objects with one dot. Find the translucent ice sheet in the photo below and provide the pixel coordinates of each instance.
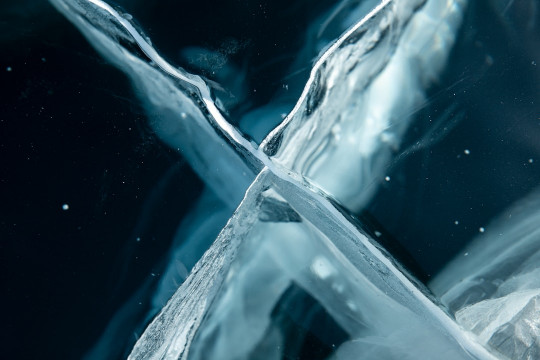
(291, 270)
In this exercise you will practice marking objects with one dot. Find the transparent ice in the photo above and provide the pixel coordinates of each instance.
(289, 239)
(495, 290)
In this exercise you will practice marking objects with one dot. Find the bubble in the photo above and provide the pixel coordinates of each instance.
(467, 151)
(481, 229)
(65, 207)
(387, 178)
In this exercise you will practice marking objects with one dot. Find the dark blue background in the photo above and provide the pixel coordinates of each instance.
(71, 132)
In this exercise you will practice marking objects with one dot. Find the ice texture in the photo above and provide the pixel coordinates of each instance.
(178, 103)
(224, 309)
(291, 254)
(495, 289)
(354, 109)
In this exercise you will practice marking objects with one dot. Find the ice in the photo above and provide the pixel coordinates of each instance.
(166, 92)
(518, 338)
(239, 283)
(494, 291)
(353, 112)
(291, 263)
(194, 236)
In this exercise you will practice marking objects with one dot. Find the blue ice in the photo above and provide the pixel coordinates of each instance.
(275, 233)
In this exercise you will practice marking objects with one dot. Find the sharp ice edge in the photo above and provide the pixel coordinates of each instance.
(353, 112)
(197, 294)
(171, 333)
(354, 247)
(186, 116)
(416, 294)
(204, 92)
(317, 66)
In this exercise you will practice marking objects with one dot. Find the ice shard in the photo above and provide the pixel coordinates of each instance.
(225, 308)
(179, 103)
(292, 266)
(353, 112)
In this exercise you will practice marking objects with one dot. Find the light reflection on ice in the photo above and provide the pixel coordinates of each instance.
(287, 240)
(494, 289)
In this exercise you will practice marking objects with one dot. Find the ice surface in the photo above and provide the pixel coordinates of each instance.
(494, 290)
(289, 254)
(240, 280)
(173, 98)
(353, 113)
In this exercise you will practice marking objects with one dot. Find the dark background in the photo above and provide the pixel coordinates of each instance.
(71, 132)
(484, 156)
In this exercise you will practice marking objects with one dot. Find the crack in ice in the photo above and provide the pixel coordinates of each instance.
(303, 173)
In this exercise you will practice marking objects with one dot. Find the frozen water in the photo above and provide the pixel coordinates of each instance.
(290, 255)
(353, 112)
(494, 291)
(166, 92)
(241, 279)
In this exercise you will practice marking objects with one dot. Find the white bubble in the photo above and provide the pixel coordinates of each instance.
(531, 161)
(65, 207)
(387, 178)
(467, 151)
(456, 222)
(322, 268)
(9, 68)
(481, 229)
